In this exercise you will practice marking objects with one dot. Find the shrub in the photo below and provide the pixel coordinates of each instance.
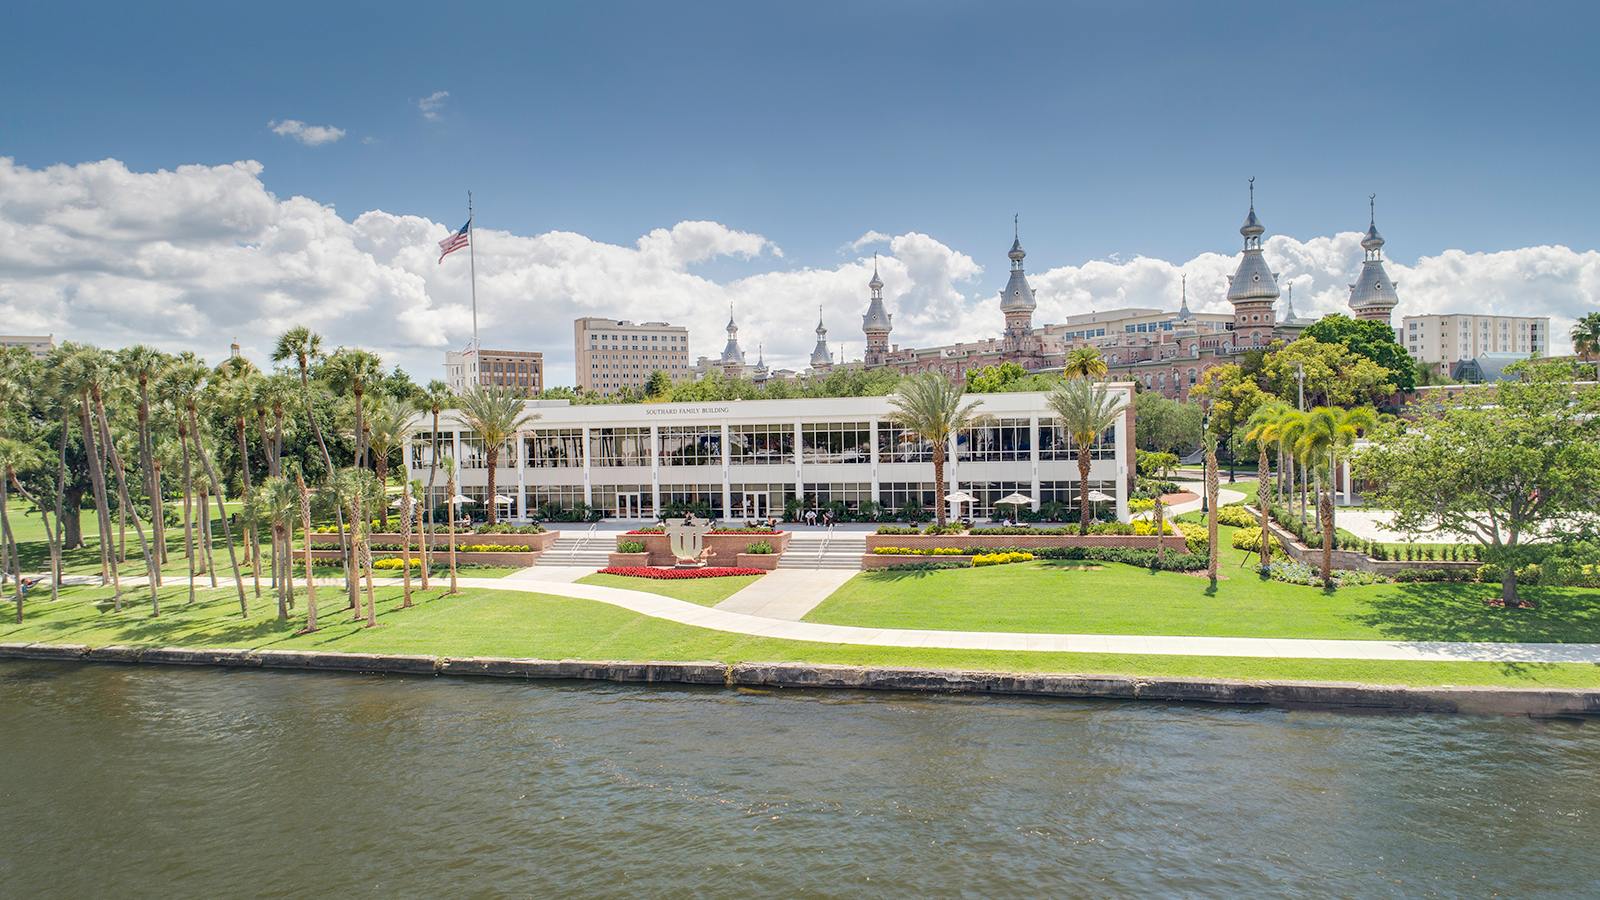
(630, 546)
(740, 529)
(759, 547)
(503, 528)
(1139, 504)
(898, 529)
(1250, 539)
(925, 551)
(1197, 537)
(653, 572)
(923, 567)
(1405, 576)
(393, 563)
(1491, 573)
(951, 528)
(649, 529)
(1144, 559)
(1000, 559)
(1236, 516)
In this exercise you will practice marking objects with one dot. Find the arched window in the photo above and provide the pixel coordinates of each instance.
(1191, 378)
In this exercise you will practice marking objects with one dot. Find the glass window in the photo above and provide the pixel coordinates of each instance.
(895, 494)
(472, 451)
(1007, 440)
(836, 442)
(557, 497)
(894, 445)
(1054, 443)
(619, 446)
(760, 444)
(555, 448)
(848, 493)
(697, 498)
(422, 448)
(691, 445)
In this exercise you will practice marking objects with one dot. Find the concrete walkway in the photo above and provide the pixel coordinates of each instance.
(719, 619)
(1224, 497)
(787, 594)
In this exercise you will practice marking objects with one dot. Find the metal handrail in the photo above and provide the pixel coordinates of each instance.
(827, 537)
(572, 558)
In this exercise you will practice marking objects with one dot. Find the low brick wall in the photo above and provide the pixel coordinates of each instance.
(764, 561)
(721, 549)
(883, 561)
(1173, 542)
(1352, 561)
(442, 557)
(539, 542)
(617, 560)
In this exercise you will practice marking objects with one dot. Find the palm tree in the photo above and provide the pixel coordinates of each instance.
(191, 402)
(387, 419)
(1211, 500)
(1586, 337)
(928, 407)
(237, 396)
(14, 455)
(52, 536)
(304, 345)
(1291, 428)
(497, 414)
(145, 365)
(1084, 362)
(1327, 432)
(353, 371)
(274, 393)
(450, 486)
(1265, 429)
(1158, 512)
(279, 501)
(305, 529)
(85, 365)
(407, 513)
(1086, 409)
(434, 399)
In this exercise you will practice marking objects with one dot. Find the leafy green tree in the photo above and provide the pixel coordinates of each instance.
(658, 386)
(1086, 409)
(1586, 337)
(1334, 375)
(1233, 397)
(1503, 464)
(496, 413)
(929, 408)
(993, 379)
(14, 455)
(1166, 425)
(1373, 340)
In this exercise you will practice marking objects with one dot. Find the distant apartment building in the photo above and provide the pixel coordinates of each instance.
(1454, 337)
(522, 370)
(39, 345)
(612, 354)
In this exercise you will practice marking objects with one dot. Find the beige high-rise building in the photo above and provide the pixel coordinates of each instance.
(519, 369)
(612, 354)
(37, 344)
(1454, 337)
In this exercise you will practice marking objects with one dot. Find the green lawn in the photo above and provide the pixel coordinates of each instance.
(494, 623)
(30, 527)
(704, 591)
(1118, 599)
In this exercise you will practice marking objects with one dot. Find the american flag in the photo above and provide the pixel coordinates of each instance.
(455, 241)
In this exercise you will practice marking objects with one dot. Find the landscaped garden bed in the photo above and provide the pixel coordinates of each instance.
(674, 572)
(722, 548)
(517, 558)
(538, 541)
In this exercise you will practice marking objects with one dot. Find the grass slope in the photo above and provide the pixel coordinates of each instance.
(483, 622)
(703, 591)
(1118, 599)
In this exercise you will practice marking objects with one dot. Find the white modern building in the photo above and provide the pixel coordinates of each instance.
(746, 459)
(39, 345)
(1455, 337)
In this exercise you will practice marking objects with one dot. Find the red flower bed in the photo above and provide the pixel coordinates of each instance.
(654, 572)
(656, 529)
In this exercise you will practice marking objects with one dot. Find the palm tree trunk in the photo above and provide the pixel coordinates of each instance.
(1327, 535)
(151, 566)
(158, 513)
(250, 535)
(1083, 489)
(208, 562)
(383, 491)
(405, 543)
(493, 458)
(227, 529)
(1159, 513)
(188, 505)
(61, 499)
(97, 478)
(345, 556)
(1211, 520)
(451, 487)
(1261, 500)
(305, 528)
(8, 547)
(52, 536)
(938, 481)
(427, 502)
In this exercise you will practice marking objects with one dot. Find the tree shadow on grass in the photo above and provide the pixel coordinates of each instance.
(1456, 612)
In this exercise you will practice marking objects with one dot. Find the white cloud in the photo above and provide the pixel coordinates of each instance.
(871, 237)
(199, 256)
(310, 135)
(431, 104)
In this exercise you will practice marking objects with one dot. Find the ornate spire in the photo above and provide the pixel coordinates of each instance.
(1184, 315)
(819, 355)
(877, 319)
(1373, 296)
(731, 354)
(1288, 302)
(1017, 296)
(1252, 280)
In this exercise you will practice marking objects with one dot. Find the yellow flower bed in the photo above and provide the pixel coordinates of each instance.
(394, 563)
(918, 551)
(1000, 559)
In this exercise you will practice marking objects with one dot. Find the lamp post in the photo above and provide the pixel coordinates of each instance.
(1205, 482)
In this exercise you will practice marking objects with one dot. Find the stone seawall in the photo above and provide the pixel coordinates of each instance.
(1335, 696)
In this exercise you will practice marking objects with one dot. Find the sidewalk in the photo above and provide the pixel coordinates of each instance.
(787, 594)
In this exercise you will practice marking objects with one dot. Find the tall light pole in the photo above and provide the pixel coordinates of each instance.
(1300, 376)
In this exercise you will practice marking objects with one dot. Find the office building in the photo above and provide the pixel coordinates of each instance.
(612, 355)
(1441, 340)
(522, 370)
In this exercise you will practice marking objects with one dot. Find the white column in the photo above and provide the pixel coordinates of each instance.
(1033, 458)
(952, 510)
(727, 494)
(522, 480)
(1347, 485)
(873, 424)
(799, 472)
(588, 489)
(655, 469)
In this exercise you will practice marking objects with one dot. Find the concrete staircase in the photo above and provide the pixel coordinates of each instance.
(824, 548)
(589, 549)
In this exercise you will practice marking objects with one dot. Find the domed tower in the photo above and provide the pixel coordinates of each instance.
(732, 359)
(1372, 296)
(1017, 302)
(1253, 288)
(876, 323)
(821, 359)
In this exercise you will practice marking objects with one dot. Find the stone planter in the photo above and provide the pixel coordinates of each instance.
(764, 561)
(721, 549)
(617, 560)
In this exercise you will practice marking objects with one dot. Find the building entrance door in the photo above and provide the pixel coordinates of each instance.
(629, 507)
(756, 506)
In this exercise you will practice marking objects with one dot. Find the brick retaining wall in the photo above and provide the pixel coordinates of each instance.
(1173, 542)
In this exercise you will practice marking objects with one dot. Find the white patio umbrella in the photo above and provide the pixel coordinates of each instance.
(459, 498)
(502, 498)
(1016, 499)
(1097, 497)
(960, 497)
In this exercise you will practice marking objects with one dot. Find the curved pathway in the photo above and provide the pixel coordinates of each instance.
(660, 607)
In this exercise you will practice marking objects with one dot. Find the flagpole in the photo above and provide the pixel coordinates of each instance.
(472, 240)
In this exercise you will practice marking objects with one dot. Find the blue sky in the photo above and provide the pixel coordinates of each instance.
(1114, 130)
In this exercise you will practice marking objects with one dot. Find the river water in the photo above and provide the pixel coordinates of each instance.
(145, 782)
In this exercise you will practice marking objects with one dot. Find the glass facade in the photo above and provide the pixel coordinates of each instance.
(422, 447)
(836, 442)
(895, 494)
(556, 448)
(755, 445)
(895, 446)
(1054, 443)
(619, 447)
(691, 445)
(1008, 440)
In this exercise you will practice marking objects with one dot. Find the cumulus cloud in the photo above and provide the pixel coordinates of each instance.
(310, 135)
(193, 258)
(431, 104)
(871, 237)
